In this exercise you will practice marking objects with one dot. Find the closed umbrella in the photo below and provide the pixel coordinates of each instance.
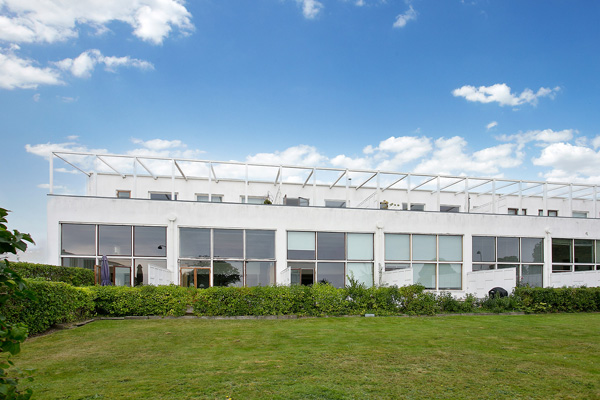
(104, 272)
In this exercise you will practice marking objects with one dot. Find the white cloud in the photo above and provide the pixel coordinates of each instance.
(541, 138)
(570, 163)
(20, 73)
(36, 97)
(501, 93)
(491, 125)
(403, 19)
(596, 142)
(450, 157)
(44, 149)
(83, 65)
(49, 21)
(296, 155)
(310, 8)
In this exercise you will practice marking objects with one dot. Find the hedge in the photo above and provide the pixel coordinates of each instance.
(316, 300)
(119, 301)
(71, 275)
(565, 299)
(55, 302)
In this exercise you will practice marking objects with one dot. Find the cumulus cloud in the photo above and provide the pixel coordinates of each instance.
(541, 138)
(403, 19)
(83, 65)
(491, 125)
(501, 93)
(49, 21)
(296, 155)
(21, 73)
(310, 8)
(570, 163)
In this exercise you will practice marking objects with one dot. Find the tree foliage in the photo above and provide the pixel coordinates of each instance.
(11, 334)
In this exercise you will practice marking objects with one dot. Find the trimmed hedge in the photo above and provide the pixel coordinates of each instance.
(316, 300)
(71, 275)
(119, 301)
(565, 299)
(56, 302)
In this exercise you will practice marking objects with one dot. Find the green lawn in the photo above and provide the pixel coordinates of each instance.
(450, 357)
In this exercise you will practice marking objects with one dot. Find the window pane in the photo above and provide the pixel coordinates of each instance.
(161, 196)
(87, 263)
(532, 275)
(78, 239)
(423, 247)
(394, 267)
(331, 246)
(332, 273)
(450, 248)
(360, 246)
(579, 268)
(194, 264)
(187, 277)
(194, 242)
(361, 272)
(584, 251)
(302, 273)
(228, 243)
(508, 249)
(484, 249)
(532, 250)
(150, 241)
(260, 244)
(228, 273)
(335, 203)
(561, 268)
(140, 271)
(397, 247)
(450, 276)
(598, 251)
(301, 245)
(114, 240)
(453, 209)
(562, 250)
(424, 274)
(483, 267)
(120, 271)
(260, 273)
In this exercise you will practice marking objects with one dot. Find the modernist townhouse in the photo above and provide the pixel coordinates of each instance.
(209, 223)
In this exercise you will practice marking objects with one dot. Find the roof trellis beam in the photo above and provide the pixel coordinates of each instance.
(392, 184)
(447, 186)
(180, 171)
(73, 165)
(473, 187)
(338, 179)
(155, 177)
(498, 188)
(312, 171)
(365, 182)
(425, 183)
(110, 166)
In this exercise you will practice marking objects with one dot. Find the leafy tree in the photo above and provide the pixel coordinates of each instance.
(11, 335)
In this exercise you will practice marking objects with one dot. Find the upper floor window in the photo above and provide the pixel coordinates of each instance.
(335, 203)
(253, 199)
(215, 198)
(161, 196)
(515, 211)
(414, 207)
(449, 208)
(551, 213)
(124, 194)
(580, 214)
(295, 201)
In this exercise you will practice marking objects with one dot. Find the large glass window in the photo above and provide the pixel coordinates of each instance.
(331, 246)
(229, 243)
(114, 240)
(332, 273)
(141, 269)
(235, 257)
(397, 247)
(150, 241)
(361, 272)
(302, 273)
(484, 249)
(194, 243)
(260, 244)
(77, 239)
(438, 274)
(301, 246)
(574, 255)
(424, 247)
(508, 249)
(360, 246)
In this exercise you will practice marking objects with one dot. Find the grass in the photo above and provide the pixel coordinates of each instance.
(450, 357)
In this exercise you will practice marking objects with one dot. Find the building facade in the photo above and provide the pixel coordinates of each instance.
(206, 223)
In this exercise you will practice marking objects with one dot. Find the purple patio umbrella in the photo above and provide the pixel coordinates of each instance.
(104, 272)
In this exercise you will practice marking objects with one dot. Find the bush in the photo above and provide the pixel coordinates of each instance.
(55, 302)
(118, 301)
(71, 275)
(565, 299)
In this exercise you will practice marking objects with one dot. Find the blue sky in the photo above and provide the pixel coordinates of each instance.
(485, 88)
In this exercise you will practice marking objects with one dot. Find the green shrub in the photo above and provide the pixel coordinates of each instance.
(71, 275)
(118, 301)
(55, 302)
(565, 299)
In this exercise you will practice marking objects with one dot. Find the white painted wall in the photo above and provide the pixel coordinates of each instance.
(583, 278)
(479, 283)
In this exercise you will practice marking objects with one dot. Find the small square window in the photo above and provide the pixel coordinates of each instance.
(414, 207)
(124, 194)
(295, 201)
(335, 203)
(161, 196)
(513, 211)
(450, 209)
(215, 198)
(580, 214)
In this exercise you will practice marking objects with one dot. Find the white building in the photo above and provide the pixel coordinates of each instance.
(212, 227)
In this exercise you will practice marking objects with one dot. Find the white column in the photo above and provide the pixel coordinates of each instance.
(51, 182)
